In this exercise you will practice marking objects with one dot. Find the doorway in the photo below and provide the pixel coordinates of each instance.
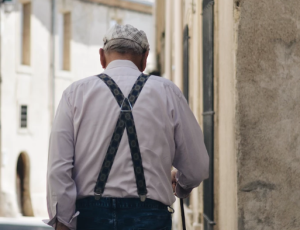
(23, 185)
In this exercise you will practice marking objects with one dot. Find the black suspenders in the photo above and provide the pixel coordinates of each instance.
(125, 121)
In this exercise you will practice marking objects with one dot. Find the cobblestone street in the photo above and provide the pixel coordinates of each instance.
(22, 224)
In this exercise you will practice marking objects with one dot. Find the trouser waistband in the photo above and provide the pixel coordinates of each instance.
(110, 202)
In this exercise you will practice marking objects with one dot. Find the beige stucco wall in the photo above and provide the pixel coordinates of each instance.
(174, 23)
(268, 83)
(225, 99)
(192, 11)
(29, 85)
(225, 93)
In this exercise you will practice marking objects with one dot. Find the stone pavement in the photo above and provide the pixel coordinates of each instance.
(23, 223)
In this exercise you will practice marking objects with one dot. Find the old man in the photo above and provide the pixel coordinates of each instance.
(115, 138)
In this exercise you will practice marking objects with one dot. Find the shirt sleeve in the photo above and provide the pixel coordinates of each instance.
(61, 188)
(191, 157)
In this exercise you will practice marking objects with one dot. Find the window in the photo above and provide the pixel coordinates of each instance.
(66, 41)
(26, 34)
(23, 121)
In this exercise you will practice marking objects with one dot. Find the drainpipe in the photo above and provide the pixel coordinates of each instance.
(53, 28)
(186, 61)
(208, 109)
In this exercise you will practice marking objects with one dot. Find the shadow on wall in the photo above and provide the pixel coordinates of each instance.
(23, 186)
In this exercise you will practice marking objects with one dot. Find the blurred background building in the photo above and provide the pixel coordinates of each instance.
(236, 61)
(45, 46)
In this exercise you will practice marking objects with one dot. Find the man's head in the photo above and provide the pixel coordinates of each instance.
(125, 43)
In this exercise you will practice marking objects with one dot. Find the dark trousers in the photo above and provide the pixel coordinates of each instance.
(122, 214)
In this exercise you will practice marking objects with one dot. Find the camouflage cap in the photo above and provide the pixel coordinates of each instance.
(127, 32)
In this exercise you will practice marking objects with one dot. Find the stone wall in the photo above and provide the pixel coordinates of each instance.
(268, 111)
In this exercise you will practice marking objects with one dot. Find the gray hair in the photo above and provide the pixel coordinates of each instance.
(123, 46)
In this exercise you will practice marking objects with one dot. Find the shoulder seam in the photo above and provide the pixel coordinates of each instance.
(179, 95)
(70, 89)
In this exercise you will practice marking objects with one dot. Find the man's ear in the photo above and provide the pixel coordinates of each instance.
(144, 60)
(102, 58)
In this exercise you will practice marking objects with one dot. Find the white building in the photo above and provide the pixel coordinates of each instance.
(31, 88)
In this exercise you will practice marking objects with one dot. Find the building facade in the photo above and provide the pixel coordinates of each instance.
(237, 63)
(45, 46)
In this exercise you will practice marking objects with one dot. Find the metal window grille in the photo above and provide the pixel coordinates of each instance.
(23, 122)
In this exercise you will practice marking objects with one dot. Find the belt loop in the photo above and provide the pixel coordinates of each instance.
(97, 196)
(142, 198)
(170, 209)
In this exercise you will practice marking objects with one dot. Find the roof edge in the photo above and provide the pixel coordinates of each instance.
(128, 5)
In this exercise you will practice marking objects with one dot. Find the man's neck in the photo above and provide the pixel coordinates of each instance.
(116, 56)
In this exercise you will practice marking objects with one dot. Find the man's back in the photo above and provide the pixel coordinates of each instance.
(156, 113)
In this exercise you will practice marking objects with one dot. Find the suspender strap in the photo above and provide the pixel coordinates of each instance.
(125, 121)
(114, 88)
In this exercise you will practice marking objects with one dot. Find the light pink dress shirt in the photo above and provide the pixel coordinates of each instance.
(167, 130)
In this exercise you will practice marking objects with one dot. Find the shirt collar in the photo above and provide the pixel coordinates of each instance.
(121, 63)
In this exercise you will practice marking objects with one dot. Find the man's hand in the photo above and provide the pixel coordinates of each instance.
(60, 226)
(174, 182)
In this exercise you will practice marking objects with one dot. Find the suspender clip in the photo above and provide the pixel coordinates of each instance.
(97, 196)
(142, 197)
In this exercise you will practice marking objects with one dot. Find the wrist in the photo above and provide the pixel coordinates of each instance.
(60, 226)
(181, 192)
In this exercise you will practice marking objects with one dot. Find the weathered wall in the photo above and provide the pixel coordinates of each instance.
(268, 111)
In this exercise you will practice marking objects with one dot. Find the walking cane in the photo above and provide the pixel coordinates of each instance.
(182, 214)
